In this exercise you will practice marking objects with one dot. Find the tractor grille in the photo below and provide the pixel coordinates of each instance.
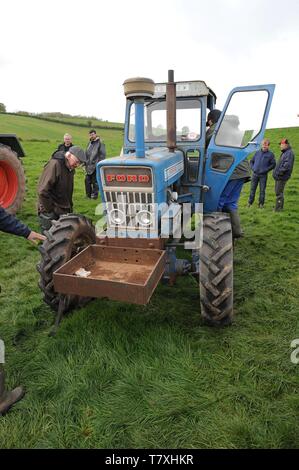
(128, 204)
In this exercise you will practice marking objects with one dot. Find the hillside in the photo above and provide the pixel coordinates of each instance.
(126, 376)
(66, 119)
(31, 129)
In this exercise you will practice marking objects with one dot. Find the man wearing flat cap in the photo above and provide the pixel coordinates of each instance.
(56, 184)
(282, 172)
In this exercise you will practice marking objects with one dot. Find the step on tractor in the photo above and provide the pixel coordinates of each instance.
(165, 180)
(12, 176)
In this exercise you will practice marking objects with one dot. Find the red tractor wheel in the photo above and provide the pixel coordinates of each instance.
(12, 180)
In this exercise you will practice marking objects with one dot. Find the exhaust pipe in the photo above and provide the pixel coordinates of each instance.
(171, 111)
(139, 128)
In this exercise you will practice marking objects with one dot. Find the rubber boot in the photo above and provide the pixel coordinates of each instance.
(279, 204)
(236, 224)
(7, 399)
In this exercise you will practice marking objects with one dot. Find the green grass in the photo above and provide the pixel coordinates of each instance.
(118, 375)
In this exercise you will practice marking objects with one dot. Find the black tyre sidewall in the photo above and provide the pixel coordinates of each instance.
(213, 242)
(58, 249)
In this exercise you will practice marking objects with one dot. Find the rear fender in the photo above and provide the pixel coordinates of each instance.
(12, 141)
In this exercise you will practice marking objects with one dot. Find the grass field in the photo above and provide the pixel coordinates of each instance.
(124, 376)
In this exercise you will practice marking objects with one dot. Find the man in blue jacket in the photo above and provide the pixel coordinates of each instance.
(261, 163)
(10, 224)
(282, 172)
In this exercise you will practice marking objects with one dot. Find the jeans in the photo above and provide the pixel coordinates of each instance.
(279, 189)
(255, 181)
(230, 195)
(91, 185)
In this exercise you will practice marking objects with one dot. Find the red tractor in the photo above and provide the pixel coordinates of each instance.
(12, 177)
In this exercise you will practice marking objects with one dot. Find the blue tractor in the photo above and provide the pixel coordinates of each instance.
(161, 192)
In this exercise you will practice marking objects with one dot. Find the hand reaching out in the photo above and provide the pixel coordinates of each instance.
(34, 237)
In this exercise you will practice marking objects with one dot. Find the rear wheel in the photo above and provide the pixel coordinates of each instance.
(66, 238)
(12, 180)
(216, 270)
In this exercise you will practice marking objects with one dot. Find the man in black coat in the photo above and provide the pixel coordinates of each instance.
(94, 153)
(67, 144)
(282, 172)
(10, 224)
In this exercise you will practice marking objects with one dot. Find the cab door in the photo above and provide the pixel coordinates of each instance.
(239, 132)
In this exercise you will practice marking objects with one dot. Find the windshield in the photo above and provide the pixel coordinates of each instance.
(188, 121)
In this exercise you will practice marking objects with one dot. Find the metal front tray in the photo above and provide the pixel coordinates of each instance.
(118, 273)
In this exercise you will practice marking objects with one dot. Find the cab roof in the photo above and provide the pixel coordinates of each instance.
(185, 89)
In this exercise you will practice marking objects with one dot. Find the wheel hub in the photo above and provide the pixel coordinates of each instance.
(8, 184)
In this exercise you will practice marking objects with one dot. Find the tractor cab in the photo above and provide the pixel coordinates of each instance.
(193, 100)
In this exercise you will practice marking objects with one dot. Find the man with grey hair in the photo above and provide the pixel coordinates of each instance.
(56, 184)
(66, 145)
(261, 163)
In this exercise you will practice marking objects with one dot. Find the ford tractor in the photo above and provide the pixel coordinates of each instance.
(12, 177)
(162, 192)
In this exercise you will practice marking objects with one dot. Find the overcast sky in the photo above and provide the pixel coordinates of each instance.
(73, 56)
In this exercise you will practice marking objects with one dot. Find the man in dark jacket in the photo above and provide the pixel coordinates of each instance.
(230, 196)
(282, 172)
(67, 143)
(94, 153)
(212, 120)
(261, 163)
(10, 224)
(56, 184)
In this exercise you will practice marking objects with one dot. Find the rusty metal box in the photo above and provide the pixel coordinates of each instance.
(118, 273)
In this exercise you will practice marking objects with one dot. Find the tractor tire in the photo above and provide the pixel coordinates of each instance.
(216, 270)
(68, 235)
(12, 180)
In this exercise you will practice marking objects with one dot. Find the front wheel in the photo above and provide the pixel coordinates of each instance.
(216, 270)
(68, 235)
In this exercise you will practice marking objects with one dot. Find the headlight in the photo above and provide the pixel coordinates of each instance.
(144, 218)
(117, 217)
